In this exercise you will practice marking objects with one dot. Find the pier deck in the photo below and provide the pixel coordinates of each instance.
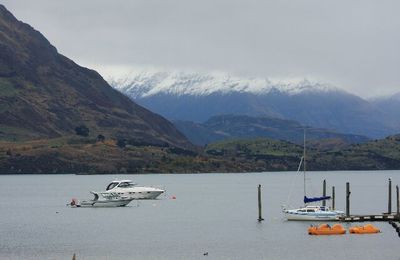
(377, 217)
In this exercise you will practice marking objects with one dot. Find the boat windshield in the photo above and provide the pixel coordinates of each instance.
(112, 185)
(126, 185)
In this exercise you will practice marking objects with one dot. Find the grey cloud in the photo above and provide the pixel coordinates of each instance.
(352, 44)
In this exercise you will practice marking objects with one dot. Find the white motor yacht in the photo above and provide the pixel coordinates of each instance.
(129, 189)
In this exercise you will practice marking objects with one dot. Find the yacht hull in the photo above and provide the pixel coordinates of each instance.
(104, 204)
(144, 196)
(298, 217)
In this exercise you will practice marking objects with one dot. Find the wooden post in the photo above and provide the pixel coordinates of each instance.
(348, 199)
(333, 197)
(390, 197)
(259, 204)
(324, 193)
(398, 200)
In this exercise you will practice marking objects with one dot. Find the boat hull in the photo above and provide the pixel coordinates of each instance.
(104, 204)
(144, 195)
(298, 217)
(367, 229)
(325, 229)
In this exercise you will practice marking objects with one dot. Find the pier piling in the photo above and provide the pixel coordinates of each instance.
(259, 204)
(324, 192)
(390, 197)
(398, 200)
(348, 199)
(333, 197)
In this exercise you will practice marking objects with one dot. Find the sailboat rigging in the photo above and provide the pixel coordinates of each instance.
(309, 212)
(306, 199)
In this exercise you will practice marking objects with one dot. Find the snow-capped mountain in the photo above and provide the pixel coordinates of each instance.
(146, 84)
(197, 97)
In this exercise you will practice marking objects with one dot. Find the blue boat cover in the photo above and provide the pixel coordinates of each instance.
(308, 200)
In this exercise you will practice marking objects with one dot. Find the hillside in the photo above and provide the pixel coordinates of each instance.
(46, 95)
(84, 155)
(224, 127)
(197, 97)
(91, 156)
(381, 154)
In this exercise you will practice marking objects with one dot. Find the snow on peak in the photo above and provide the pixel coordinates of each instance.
(148, 83)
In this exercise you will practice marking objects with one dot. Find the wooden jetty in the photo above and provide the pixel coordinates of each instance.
(389, 216)
(384, 217)
(361, 218)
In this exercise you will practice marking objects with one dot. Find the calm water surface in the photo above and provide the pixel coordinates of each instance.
(214, 213)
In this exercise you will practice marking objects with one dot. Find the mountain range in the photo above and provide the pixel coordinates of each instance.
(197, 97)
(43, 94)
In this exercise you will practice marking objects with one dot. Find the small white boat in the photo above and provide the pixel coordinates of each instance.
(102, 199)
(127, 188)
(313, 213)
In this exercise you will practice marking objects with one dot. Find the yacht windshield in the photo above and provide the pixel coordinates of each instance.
(126, 185)
(112, 185)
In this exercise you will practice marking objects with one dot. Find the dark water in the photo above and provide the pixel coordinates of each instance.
(214, 213)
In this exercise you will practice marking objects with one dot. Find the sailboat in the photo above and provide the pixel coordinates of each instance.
(311, 212)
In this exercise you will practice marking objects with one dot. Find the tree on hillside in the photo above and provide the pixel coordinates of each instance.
(121, 142)
(82, 130)
(101, 138)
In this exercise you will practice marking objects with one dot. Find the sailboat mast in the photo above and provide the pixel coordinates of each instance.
(304, 161)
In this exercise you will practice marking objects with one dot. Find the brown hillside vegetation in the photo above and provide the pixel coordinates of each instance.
(89, 156)
(46, 95)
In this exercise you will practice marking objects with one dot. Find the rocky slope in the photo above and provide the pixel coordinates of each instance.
(43, 94)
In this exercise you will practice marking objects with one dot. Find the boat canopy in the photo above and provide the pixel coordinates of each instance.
(308, 200)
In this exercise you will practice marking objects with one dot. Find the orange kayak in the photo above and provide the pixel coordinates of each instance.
(367, 229)
(325, 229)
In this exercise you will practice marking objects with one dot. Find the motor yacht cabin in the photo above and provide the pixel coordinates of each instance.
(129, 189)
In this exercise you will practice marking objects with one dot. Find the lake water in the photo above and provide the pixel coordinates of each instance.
(214, 213)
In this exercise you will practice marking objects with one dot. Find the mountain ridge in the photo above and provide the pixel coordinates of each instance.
(197, 97)
(44, 94)
(146, 84)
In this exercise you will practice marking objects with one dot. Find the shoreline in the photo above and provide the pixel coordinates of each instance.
(195, 173)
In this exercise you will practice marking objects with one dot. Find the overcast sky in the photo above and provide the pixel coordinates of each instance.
(351, 44)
